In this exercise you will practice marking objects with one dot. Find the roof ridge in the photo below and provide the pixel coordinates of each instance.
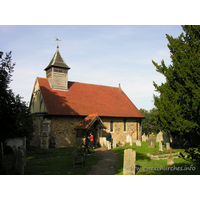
(93, 84)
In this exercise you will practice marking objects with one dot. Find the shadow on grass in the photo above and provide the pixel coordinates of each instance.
(59, 166)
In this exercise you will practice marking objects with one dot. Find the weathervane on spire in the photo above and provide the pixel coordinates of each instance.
(57, 42)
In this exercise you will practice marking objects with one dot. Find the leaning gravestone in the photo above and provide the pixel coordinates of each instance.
(20, 165)
(57, 143)
(138, 143)
(151, 141)
(160, 146)
(114, 143)
(129, 162)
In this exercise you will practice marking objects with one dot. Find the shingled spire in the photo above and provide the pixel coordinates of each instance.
(57, 72)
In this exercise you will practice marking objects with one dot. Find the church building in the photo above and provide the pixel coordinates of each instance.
(64, 109)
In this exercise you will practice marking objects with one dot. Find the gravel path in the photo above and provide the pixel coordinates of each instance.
(106, 164)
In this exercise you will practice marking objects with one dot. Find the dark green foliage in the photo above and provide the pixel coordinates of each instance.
(149, 124)
(178, 103)
(15, 118)
(192, 155)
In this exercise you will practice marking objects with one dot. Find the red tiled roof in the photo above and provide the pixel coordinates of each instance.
(83, 99)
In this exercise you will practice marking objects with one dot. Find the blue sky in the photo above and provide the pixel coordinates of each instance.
(105, 55)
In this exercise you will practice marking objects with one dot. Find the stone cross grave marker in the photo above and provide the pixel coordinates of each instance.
(138, 143)
(57, 143)
(114, 143)
(129, 162)
(151, 141)
(160, 146)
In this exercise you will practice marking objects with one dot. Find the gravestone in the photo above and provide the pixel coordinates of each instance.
(129, 162)
(114, 143)
(147, 138)
(131, 144)
(57, 143)
(20, 165)
(144, 138)
(166, 139)
(123, 143)
(128, 138)
(151, 141)
(167, 145)
(138, 143)
(15, 158)
(159, 137)
(160, 146)
(24, 151)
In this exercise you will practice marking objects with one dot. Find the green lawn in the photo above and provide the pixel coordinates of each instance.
(146, 166)
(51, 162)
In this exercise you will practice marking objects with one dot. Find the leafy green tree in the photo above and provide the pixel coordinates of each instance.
(15, 117)
(149, 124)
(179, 100)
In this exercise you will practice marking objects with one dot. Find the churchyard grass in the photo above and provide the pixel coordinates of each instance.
(146, 166)
(51, 162)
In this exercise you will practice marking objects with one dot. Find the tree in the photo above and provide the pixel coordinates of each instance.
(149, 124)
(179, 100)
(15, 117)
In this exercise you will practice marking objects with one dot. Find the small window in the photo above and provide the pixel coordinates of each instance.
(111, 126)
(125, 125)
